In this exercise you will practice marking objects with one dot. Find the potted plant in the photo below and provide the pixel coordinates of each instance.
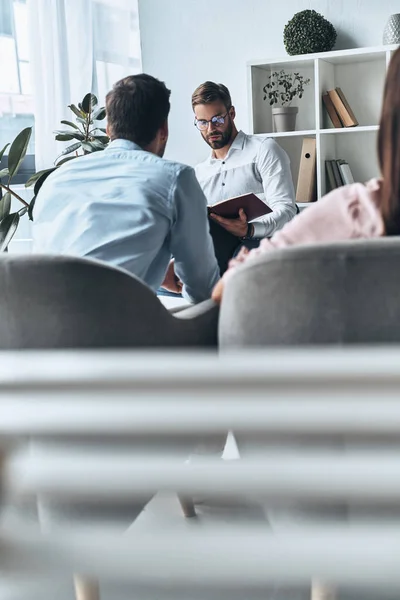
(281, 89)
(89, 138)
(308, 32)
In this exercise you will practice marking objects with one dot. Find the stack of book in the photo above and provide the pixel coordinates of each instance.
(339, 109)
(338, 173)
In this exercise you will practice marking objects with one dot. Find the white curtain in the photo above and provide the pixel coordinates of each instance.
(77, 46)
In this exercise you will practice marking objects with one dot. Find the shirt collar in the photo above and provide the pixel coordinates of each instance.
(237, 144)
(120, 144)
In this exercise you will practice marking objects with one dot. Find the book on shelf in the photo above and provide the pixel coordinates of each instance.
(338, 173)
(306, 181)
(342, 108)
(252, 205)
(330, 109)
(345, 172)
(346, 104)
(330, 176)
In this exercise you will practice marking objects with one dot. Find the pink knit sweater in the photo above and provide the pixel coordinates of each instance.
(346, 213)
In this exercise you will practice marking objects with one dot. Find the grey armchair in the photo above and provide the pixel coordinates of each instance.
(65, 302)
(342, 293)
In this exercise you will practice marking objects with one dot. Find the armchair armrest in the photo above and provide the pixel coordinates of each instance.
(203, 317)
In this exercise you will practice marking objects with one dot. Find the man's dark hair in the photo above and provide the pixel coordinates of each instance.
(211, 92)
(137, 107)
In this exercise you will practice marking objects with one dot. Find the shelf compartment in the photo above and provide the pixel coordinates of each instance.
(358, 150)
(262, 111)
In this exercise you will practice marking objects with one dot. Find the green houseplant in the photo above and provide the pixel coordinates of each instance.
(308, 32)
(281, 89)
(89, 138)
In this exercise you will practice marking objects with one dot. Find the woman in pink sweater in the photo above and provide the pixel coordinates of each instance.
(352, 211)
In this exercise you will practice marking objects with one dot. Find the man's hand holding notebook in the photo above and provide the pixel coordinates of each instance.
(250, 203)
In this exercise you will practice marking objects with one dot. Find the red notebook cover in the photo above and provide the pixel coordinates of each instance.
(251, 204)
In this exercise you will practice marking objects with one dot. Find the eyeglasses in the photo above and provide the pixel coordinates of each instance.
(218, 121)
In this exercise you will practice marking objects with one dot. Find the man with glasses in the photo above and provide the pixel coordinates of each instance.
(239, 164)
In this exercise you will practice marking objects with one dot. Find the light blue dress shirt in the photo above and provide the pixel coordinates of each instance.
(130, 208)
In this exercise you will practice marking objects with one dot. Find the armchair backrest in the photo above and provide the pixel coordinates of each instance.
(342, 293)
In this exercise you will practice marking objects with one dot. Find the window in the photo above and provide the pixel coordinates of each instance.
(16, 101)
(116, 42)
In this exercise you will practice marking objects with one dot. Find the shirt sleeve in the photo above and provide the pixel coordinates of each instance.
(348, 212)
(191, 243)
(274, 167)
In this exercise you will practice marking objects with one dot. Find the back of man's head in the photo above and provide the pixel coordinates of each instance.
(137, 107)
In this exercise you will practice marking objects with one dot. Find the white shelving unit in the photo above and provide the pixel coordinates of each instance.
(360, 73)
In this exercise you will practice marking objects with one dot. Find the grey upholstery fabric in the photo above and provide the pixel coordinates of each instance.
(64, 302)
(343, 293)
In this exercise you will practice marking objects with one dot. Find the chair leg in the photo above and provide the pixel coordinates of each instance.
(322, 591)
(85, 588)
(187, 507)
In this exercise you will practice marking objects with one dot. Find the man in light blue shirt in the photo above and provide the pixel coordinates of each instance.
(128, 206)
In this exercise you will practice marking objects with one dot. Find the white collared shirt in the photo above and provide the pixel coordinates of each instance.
(253, 164)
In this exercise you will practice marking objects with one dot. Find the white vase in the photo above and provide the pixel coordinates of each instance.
(391, 33)
(284, 118)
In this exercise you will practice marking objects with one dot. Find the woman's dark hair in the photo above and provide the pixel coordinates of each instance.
(389, 148)
(136, 108)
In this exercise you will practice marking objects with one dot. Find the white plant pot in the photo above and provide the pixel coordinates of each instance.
(284, 118)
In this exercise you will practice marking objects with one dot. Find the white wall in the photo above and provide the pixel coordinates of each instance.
(185, 42)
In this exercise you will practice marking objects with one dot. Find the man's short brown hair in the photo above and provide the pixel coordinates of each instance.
(136, 108)
(211, 92)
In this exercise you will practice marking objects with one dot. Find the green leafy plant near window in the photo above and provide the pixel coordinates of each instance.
(283, 87)
(89, 138)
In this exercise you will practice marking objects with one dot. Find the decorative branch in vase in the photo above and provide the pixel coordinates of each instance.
(281, 89)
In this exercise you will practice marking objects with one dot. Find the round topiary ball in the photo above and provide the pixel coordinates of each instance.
(308, 32)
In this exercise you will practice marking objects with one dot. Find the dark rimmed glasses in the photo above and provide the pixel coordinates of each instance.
(218, 121)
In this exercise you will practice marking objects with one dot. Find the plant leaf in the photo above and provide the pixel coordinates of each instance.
(87, 147)
(70, 123)
(5, 205)
(8, 227)
(36, 176)
(18, 150)
(88, 103)
(100, 114)
(104, 139)
(42, 179)
(3, 150)
(92, 146)
(64, 137)
(4, 172)
(76, 111)
(69, 149)
(31, 207)
(64, 160)
(67, 132)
